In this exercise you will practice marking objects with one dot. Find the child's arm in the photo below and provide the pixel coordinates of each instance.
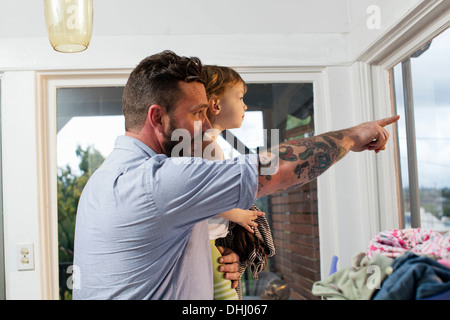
(244, 218)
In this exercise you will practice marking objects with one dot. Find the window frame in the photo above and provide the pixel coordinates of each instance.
(416, 29)
(49, 82)
(326, 183)
(46, 132)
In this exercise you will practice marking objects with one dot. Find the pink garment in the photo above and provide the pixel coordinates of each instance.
(393, 243)
(445, 262)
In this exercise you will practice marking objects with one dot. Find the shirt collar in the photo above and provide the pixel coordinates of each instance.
(133, 144)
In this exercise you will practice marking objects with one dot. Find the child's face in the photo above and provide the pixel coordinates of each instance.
(233, 108)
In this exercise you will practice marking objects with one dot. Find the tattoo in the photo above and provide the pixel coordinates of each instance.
(308, 143)
(330, 141)
(306, 154)
(287, 153)
(325, 160)
(300, 168)
(306, 159)
(260, 185)
(337, 135)
(319, 154)
(321, 145)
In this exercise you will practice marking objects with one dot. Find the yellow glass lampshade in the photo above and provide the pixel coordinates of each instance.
(69, 24)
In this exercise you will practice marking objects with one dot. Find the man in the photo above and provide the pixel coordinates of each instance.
(141, 229)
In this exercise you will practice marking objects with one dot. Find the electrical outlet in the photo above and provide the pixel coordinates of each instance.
(25, 256)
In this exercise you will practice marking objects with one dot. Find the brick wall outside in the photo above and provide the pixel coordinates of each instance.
(295, 230)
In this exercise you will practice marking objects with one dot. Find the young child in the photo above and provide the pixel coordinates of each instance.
(225, 91)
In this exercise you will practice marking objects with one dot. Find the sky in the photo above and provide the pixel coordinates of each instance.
(99, 132)
(431, 97)
(102, 131)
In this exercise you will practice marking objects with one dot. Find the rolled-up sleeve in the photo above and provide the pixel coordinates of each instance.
(189, 190)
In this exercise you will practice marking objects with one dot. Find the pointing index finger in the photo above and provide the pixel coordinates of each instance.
(387, 121)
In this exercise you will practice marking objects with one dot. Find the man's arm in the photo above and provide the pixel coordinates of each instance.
(303, 160)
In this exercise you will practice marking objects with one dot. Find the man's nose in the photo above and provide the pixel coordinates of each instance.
(245, 107)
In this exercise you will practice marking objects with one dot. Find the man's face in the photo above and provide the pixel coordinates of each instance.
(189, 110)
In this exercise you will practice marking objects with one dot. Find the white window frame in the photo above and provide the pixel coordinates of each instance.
(47, 85)
(49, 82)
(422, 24)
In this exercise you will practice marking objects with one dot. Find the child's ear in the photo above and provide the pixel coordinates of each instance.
(214, 105)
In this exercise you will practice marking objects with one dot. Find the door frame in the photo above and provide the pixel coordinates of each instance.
(47, 84)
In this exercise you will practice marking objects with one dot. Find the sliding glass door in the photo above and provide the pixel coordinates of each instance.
(88, 122)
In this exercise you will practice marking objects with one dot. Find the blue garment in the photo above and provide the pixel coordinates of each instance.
(414, 277)
(141, 229)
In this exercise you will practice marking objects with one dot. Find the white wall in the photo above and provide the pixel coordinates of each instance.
(328, 33)
(19, 181)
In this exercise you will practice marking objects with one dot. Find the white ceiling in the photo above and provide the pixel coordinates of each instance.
(25, 18)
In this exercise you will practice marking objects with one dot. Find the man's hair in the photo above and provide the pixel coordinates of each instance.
(219, 79)
(156, 81)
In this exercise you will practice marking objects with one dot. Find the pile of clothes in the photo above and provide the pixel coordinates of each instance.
(407, 264)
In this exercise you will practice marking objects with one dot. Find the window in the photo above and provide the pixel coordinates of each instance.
(422, 84)
(88, 119)
(88, 122)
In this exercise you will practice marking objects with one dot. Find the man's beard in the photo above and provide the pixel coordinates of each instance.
(169, 145)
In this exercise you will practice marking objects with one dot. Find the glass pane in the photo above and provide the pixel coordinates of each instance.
(89, 121)
(293, 215)
(431, 91)
(431, 94)
(250, 134)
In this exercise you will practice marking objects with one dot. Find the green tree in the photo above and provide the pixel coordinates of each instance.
(70, 186)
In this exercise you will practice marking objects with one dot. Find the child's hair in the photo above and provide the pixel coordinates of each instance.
(219, 78)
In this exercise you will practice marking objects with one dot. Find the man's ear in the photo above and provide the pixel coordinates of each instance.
(156, 117)
(214, 105)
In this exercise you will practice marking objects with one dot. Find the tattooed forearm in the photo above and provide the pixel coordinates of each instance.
(321, 153)
(301, 161)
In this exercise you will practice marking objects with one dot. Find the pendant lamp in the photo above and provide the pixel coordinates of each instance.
(69, 24)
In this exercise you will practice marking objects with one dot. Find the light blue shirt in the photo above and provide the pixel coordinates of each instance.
(141, 229)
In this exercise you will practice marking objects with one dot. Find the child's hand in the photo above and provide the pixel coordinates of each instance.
(244, 218)
(247, 219)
